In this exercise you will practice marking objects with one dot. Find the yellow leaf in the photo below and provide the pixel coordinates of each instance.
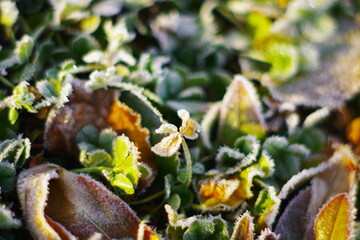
(189, 127)
(334, 220)
(217, 193)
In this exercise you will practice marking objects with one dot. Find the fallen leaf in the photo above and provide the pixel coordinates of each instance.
(84, 108)
(58, 204)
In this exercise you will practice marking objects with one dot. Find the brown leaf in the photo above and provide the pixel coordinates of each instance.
(84, 108)
(59, 204)
(244, 228)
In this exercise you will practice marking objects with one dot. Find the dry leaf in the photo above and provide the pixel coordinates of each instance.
(84, 108)
(244, 228)
(59, 204)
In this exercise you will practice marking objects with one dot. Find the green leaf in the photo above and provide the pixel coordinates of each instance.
(174, 201)
(13, 115)
(266, 206)
(88, 134)
(208, 228)
(7, 220)
(24, 73)
(24, 48)
(185, 194)
(313, 139)
(169, 183)
(288, 158)
(169, 85)
(125, 157)
(15, 150)
(21, 98)
(106, 138)
(240, 112)
(145, 171)
(121, 181)
(99, 158)
(8, 13)
(199, 230)
(7, 176)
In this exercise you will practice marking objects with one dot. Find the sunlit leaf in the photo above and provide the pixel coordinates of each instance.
(240, 113)
(334, 220)
(8, 13)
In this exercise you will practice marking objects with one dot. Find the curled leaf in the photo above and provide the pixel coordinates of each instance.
(58, 204)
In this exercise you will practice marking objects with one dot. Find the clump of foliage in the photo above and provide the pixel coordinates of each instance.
(183, 119)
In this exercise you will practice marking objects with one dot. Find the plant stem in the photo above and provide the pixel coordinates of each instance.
(147, 199)
(6, 82)
(90, 169)
(188, 162)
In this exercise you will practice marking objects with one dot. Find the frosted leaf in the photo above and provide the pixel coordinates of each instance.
(244, 228)
(241, 112)
(167, 128)
(168, 146)
(189, 127)
(87, 206)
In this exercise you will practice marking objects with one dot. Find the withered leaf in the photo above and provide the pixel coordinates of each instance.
(244, 228)
(58, 204)
(84, 108)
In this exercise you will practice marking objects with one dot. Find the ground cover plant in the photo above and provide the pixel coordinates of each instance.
(191, 119)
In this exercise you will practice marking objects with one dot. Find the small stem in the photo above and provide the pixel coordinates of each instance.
(90, 169)
(197, 207)
(11, 36)
(188, 162)
(6, 82)
(147, 199)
